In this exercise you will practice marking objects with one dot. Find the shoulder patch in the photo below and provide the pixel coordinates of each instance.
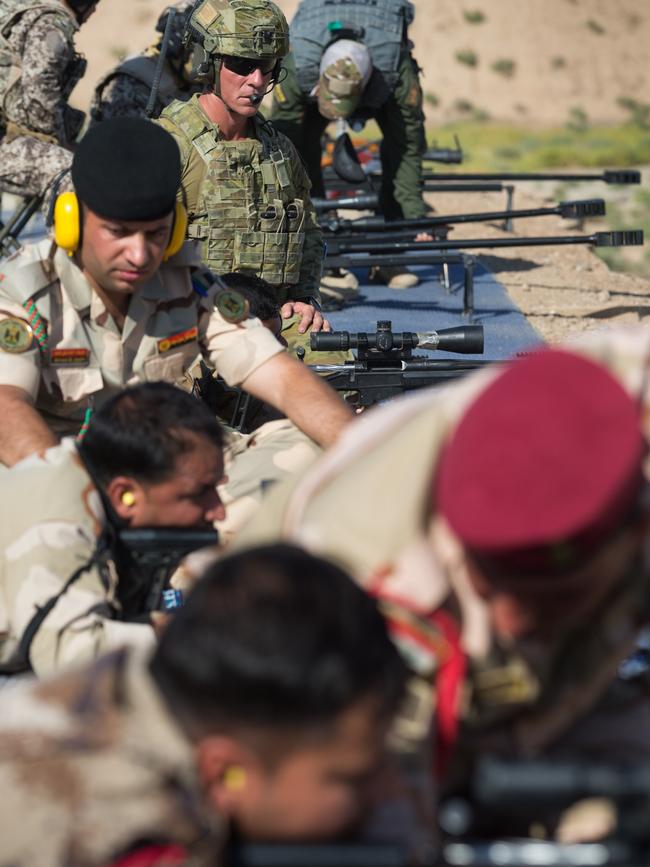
(232, 305)
(16, 335)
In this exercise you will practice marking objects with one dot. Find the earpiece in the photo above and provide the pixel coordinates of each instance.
(67, 222)
(128, 498)
(67, 225)
(234, 778)
(179, 230)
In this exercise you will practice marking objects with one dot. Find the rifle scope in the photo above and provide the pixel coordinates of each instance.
(465, 339)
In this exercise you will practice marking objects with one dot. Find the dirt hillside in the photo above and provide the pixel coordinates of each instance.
(538, 61)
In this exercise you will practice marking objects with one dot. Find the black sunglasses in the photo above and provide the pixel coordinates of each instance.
(245, 65)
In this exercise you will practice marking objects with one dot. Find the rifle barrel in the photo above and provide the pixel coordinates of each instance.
(628, 238)
(613, 176)
(574, 209)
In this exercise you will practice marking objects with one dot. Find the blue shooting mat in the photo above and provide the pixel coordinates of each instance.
(429, 307)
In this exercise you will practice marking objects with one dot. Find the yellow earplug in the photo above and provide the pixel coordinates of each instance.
(234, 778)
(128, 498)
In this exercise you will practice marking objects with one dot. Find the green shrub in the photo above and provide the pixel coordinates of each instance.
(431, 99)
(504, 66)
(639, 111)
(473, 16)
(558, 62)
(595, 27)
(578, 119)
(467, 57)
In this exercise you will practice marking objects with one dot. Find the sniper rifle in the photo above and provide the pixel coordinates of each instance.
(401, 229)
(385, 365)
(361, 253)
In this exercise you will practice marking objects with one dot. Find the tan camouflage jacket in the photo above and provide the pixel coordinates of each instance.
(51, 529)
(248, 201)
(366, 504)
(95, 767)
(78, 357)
(39, 42)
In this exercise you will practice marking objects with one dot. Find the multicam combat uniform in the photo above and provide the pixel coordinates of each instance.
(56, 521)
(38, 70)
(393, 96)
(77, 357)
(98, 769)
(367, 503)
(248, 202)
(125, 90)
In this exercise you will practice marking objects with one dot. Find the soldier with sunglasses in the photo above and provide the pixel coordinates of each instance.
(246, 188)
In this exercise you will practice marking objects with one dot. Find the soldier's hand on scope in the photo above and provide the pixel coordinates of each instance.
(309, 316)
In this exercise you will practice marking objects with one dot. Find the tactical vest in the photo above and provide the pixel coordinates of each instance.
(142, 68)
(249, 216)
(11, 63)
(384, 26)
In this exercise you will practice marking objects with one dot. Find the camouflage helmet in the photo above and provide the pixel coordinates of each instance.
(240, 28)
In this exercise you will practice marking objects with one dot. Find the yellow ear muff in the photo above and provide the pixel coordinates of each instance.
(179, 230)
(67, 226)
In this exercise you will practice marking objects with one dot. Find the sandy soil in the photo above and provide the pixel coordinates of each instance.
(565, 54)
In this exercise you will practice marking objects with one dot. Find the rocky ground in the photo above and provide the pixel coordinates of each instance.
(561, 290)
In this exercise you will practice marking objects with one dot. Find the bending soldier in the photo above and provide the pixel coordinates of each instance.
(246, 188)
(38, 70)
(264, 709)
(518, 547)
(151, 457)
(125, 90)
(353, 60)
(99, 308)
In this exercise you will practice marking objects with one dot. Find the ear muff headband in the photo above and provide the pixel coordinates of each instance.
(67, 226)
(67, 222)
(179, 230)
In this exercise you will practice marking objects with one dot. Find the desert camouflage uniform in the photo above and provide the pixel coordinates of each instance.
(230, 187)
(36, 124)
(83, 358)
(125, 90)
(55, 523)
(366, 503)
(98, 769)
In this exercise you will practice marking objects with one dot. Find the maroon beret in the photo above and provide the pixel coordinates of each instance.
(545, 462)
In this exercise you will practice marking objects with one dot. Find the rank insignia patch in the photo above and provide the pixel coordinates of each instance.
(70, 356)
(178, 339)
(232, 305)
(16, 335)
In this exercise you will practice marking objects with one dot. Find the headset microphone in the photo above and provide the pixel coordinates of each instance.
(255, 99)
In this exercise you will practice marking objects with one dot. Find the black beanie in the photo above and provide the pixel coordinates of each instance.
(127, 168)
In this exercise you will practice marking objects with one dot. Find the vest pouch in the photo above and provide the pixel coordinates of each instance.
(248, 252)
(295, 212)
(218, 250)
(295, 244)
(272, 216)
(275, 257)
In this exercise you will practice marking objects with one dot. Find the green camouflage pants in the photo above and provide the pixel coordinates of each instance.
(400, 119)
